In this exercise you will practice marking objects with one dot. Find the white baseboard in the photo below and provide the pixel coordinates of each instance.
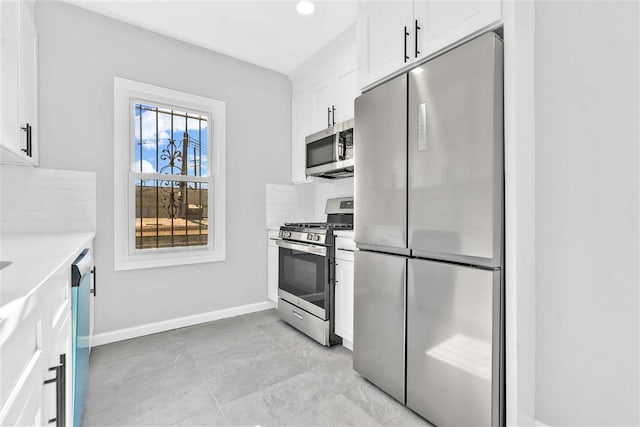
(347, 344)
(180, 322)
(537, 423)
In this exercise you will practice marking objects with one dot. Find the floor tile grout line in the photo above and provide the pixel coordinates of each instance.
(215, 399)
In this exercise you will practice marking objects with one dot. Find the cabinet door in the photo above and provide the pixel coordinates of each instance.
(321, 117)
(344, 91)
(444, 22)
(28, 77)
(27, 407)
(344, 301)
(301, 116)
(381, 39)
(9, 18)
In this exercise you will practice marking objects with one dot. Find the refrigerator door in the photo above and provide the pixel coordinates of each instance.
(455, 155)
(379, 319)
(454, 343)
(380, 154)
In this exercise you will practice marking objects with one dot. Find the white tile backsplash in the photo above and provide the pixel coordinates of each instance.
(37, 199)
(328, 190)
(302, 202)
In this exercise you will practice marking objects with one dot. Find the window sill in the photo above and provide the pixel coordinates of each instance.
(167, 259)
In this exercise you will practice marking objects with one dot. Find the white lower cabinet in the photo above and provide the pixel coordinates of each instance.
(344, 290)
(272, 266)
(35, 355)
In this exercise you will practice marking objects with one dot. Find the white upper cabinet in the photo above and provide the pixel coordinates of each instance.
(18, 83)
(345, 92)
(301, 124)
(443, 23)
(383, 44)
(394, 35)
(323, 99)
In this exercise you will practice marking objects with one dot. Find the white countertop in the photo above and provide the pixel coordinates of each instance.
(34, 258)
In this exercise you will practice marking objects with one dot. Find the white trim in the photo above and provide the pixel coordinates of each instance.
(126, 257)
(519, 154)
(537, 423)
(180, 322)
(347, 344)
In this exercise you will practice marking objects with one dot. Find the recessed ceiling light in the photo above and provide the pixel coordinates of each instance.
(305, 7)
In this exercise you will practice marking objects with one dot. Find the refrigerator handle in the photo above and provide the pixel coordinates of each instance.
(422, 126)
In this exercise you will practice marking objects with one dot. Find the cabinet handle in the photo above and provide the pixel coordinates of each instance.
(415, 37)
(59, 379)
(328, 117)
(298, 315)
(405, 34)
(345, 249)
(27, 129)
(333, 115)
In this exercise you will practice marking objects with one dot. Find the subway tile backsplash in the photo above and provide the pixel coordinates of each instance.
(46, 200)
(302, 202)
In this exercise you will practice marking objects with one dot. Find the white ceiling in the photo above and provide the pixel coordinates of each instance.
(268, 33)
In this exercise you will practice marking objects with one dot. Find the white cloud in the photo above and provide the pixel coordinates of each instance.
(147, 167)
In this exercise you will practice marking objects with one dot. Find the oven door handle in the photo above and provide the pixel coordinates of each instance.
(301, 247)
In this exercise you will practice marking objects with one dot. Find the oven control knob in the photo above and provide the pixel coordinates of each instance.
(317, 238)
(288, 234)
(309, 236)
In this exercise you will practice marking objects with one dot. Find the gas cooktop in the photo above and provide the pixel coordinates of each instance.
(320, 225)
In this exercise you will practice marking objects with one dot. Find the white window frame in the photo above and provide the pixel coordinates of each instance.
(127, 257)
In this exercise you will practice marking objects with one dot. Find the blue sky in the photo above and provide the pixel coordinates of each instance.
(150, 159)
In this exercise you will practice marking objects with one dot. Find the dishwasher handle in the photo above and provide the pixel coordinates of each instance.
(94, 291)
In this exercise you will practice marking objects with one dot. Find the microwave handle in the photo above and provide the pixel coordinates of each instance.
(341, 147)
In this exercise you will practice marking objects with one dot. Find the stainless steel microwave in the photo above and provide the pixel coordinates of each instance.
(330, 151)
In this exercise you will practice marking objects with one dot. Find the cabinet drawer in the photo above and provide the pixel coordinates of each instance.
(344, 248)
(311, 325)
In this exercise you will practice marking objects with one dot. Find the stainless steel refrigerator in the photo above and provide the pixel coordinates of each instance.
(429, 226)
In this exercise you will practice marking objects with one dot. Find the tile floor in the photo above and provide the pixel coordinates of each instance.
(244, 371)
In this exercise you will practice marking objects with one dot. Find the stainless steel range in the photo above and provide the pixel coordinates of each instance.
(306, 278)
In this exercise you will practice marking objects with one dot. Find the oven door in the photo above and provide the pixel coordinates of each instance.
(303, 277)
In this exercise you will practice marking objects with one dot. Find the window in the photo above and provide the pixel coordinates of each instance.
(169, 177)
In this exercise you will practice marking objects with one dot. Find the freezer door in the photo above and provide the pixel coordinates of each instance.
(455, 155)
(379, 319)
(380, 155)
(454, 344)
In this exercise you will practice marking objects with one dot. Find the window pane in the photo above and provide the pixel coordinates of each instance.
(170, 141)
(171, 214)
